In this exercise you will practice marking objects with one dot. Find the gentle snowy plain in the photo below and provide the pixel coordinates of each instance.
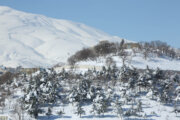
(137, 62)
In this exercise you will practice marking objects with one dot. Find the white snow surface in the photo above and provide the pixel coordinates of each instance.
(32, 40)
(136, 61)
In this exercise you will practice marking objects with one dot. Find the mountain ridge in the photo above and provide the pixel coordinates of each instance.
(33, 40)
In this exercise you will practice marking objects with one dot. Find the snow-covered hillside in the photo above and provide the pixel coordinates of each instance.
(32, 40)
(137, 61)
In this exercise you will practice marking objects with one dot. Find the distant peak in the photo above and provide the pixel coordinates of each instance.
(5, 8)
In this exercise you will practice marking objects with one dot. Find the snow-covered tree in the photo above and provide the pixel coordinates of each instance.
(177, 95)
(61, 113)
(166, 91)
(139, 106)
(144, 78)
(43, 89)
(117, 107)
(79, 110)
(74, 95)
(34, 108)
(83, 92)
(49, 112)
(99, 104)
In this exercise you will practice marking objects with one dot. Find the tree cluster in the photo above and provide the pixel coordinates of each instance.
(97, 88)
(104, 48)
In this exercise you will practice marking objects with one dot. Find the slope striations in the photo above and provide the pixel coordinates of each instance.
(32, 40)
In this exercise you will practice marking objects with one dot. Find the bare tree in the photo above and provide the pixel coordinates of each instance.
(18, 111)
(146, 50)
(110, 62)
(123, 55)
(2, 106)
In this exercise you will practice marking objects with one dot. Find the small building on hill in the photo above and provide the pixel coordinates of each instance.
(131, 45)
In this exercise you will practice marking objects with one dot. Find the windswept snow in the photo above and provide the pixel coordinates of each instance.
(32, 40)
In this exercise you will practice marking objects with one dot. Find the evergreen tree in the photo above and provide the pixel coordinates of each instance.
(43, 89)
(60, 113)
(99, 104)
(49, 112)
(139, 106)
(83, 92)
(34, 108)
(74, 95)
(79, 110)
(118, 108)
(144, 79)
(177, 95)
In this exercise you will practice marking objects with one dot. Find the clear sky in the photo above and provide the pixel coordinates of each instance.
(137, 20)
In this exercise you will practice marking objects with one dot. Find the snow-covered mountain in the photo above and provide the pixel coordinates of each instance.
(32, 40)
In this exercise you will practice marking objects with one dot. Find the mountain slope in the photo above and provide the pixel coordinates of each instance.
(32, 40)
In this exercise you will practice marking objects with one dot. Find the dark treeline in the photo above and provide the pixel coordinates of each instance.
(104, 48)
